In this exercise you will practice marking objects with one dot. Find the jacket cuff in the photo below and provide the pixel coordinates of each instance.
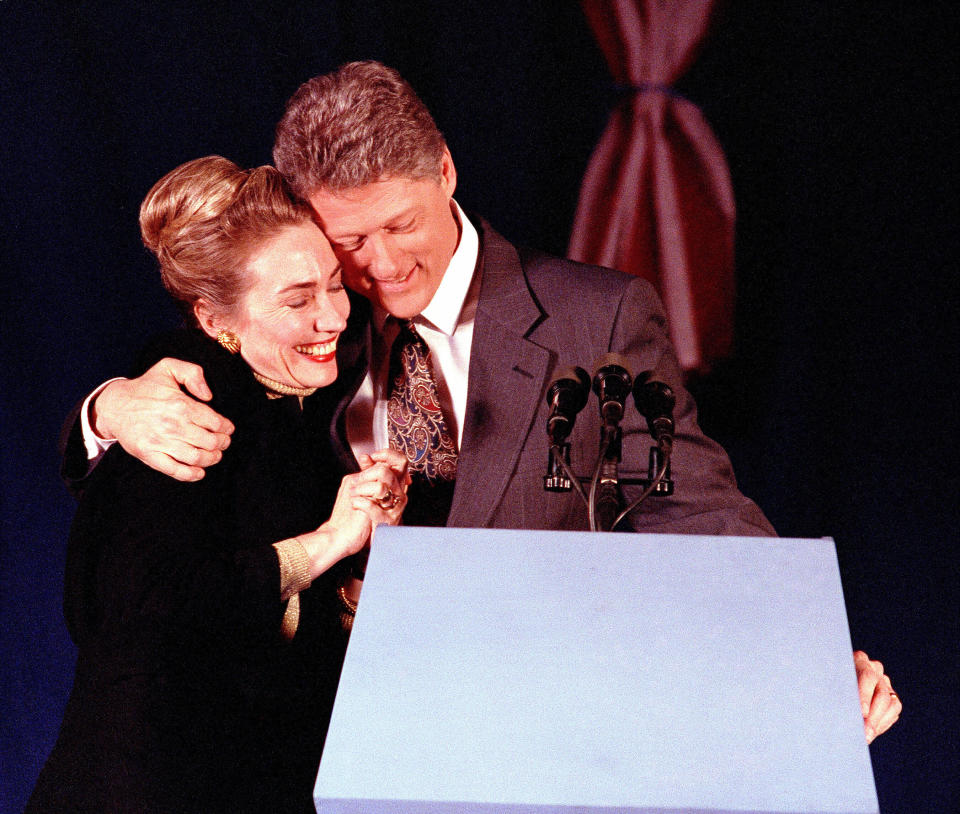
(294, 567)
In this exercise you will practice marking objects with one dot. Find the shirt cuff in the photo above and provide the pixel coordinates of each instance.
(93, 443)
(294, 567)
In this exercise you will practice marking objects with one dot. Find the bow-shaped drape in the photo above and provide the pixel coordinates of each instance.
(656, 199)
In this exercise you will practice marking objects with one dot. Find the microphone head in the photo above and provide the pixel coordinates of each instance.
(653, 398)
(612, 378)
(566, 396)
(611, 383)
(569, 389)
(615, 360)
(655, 402)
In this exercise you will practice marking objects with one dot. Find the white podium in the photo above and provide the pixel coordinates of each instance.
(524, 672)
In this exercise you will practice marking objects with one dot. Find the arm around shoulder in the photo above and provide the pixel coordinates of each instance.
(158, 417)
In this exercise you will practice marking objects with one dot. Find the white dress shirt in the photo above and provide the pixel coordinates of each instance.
(94, 444)
(446, 325)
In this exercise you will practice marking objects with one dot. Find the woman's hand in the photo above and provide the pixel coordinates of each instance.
(378, 490)
(377, 494)
(393, 499)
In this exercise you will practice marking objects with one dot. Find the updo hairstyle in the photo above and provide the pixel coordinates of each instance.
(205, 220)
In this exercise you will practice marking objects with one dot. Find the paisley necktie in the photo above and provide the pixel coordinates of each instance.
(416, 427)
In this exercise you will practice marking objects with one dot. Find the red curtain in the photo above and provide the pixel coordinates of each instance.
(656, 199)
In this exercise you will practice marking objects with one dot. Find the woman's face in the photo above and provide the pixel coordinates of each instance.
(294, 309)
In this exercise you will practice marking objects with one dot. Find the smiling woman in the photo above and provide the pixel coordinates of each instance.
(246, 264)
(211, 617)
(292, 310)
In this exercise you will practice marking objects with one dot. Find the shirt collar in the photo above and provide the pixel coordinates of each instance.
(444, 310)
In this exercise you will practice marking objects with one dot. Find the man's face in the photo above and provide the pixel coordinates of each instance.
(394, 237)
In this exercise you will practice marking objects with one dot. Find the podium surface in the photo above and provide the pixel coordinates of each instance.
(529, 672)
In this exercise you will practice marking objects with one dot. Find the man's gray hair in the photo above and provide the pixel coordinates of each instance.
(358, 124)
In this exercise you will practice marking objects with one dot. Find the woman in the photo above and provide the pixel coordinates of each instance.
(211, 618)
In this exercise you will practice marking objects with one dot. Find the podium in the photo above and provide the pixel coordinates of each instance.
(530, 672)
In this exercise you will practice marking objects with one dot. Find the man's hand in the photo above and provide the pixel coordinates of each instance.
(879, 703)
(155, 421)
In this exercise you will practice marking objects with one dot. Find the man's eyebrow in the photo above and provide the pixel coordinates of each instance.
(402, 216)
(394, 220)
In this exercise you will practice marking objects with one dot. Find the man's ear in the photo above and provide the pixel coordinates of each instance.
(448, 173)
(210, 323)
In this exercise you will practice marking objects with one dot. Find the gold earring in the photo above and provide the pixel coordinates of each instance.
(229, 340)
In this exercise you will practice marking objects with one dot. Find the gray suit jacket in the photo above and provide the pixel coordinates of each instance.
(537, 314)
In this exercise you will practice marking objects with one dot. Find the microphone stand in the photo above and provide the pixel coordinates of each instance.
(605, 498)
(604, 504)
(658, 483)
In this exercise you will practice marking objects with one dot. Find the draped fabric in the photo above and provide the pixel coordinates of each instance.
(656, 199)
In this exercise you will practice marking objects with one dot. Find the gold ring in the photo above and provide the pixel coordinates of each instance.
(893, 694)
(388, 500)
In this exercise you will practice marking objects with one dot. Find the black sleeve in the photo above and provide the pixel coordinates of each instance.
(160, 560)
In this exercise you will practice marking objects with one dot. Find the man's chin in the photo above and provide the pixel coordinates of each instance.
(399, 306)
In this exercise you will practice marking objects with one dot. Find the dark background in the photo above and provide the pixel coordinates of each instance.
(838, 409)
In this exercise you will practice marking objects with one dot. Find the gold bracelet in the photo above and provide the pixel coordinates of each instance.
(347, 603)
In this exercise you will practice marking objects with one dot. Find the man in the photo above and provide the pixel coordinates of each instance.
(362, 149)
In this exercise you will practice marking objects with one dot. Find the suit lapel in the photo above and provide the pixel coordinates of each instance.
(506, 380)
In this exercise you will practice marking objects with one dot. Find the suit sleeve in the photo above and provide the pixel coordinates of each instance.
(706, 499)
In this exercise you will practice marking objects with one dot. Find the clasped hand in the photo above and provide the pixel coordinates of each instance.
(374, 495)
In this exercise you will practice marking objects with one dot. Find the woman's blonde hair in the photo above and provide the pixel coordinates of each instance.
(205, 219)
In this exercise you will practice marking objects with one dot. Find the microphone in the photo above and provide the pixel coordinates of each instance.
(612, 383)
(655, 401)
(566, 396)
